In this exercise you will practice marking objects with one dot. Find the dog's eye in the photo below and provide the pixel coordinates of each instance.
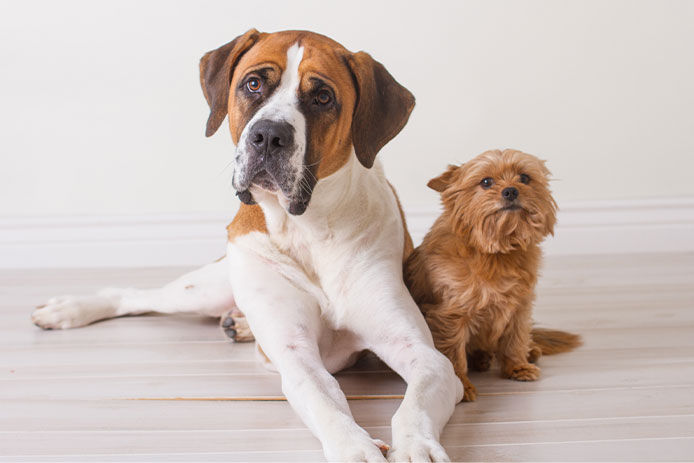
(487, 182)
(324, 97)
(254, 85)
(524, 179)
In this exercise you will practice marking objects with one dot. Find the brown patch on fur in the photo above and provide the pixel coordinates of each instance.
(474, 274)
(329, 143)
(189, 286)
(269, 53)
(248, 219)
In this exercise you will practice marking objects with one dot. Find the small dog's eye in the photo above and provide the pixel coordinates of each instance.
(254, 85)
(487, 182)
(524, 179)
(324, 97)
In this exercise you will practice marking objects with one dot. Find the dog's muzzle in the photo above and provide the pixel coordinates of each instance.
(273, 164)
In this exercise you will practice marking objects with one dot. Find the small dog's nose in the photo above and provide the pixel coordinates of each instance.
(510, 193)
(269, 137)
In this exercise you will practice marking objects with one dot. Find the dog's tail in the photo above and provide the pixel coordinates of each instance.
(555, 341)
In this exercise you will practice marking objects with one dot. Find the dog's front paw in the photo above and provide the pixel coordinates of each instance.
(522, 372)
(356, 446)
(416, 449)
(414, 438)
(235, 326)
(71, 312)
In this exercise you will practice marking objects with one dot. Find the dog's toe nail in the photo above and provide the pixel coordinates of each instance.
(231, 333)
(228, 322)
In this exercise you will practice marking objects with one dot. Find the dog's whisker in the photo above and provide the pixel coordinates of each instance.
(308, 171)
(314, 163)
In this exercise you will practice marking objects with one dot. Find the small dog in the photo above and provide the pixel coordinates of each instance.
(474, 274)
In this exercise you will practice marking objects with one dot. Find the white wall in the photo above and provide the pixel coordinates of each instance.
(101, 111)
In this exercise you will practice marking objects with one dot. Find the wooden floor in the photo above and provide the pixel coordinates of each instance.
(628, 394)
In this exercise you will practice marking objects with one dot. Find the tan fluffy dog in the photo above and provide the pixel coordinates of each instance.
(475, 272)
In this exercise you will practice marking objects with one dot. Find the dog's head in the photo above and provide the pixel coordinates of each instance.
(298, 104)
(499, 200)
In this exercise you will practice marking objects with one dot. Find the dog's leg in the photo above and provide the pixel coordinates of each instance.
(205, 290)
(286, 321)
(461, 369)
(398, 334)
(433, 389)
(515, 344)
(451, 339)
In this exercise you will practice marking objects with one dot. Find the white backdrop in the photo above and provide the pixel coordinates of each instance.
(101, 111)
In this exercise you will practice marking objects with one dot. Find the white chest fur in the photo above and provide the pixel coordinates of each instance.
(351, 227)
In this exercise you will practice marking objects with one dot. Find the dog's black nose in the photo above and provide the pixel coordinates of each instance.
(270, 137)
(509, 193)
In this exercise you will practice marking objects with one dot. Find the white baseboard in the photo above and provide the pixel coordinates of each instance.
(599, 227)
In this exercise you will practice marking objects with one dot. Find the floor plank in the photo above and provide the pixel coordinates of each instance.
(89, 415)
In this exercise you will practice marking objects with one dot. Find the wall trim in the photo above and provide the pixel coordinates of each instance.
(594, 227)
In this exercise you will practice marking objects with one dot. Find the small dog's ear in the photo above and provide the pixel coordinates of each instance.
(442, 182)
(382, 109)
(216, 69)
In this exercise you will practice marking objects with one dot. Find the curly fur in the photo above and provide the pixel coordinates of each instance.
(474, 274)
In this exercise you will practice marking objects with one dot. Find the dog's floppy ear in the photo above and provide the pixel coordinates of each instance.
(216, 70)
(382, 109)
(442, 182)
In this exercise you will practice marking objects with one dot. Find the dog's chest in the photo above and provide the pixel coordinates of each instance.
(490, 320)
(497, 293)
(303, 246)
(316, 249)
(336, 253)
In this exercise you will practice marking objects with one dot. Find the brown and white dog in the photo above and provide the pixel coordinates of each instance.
(315, 253)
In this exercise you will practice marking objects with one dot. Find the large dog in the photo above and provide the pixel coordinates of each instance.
(315, 253)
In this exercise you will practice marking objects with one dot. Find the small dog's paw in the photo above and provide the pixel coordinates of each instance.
(418, 448)
(235, 326)
(479, 360)
(71, 312)
(523, 372)
(470, 392)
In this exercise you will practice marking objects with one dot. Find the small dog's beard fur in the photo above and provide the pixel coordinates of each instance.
(474, 274)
